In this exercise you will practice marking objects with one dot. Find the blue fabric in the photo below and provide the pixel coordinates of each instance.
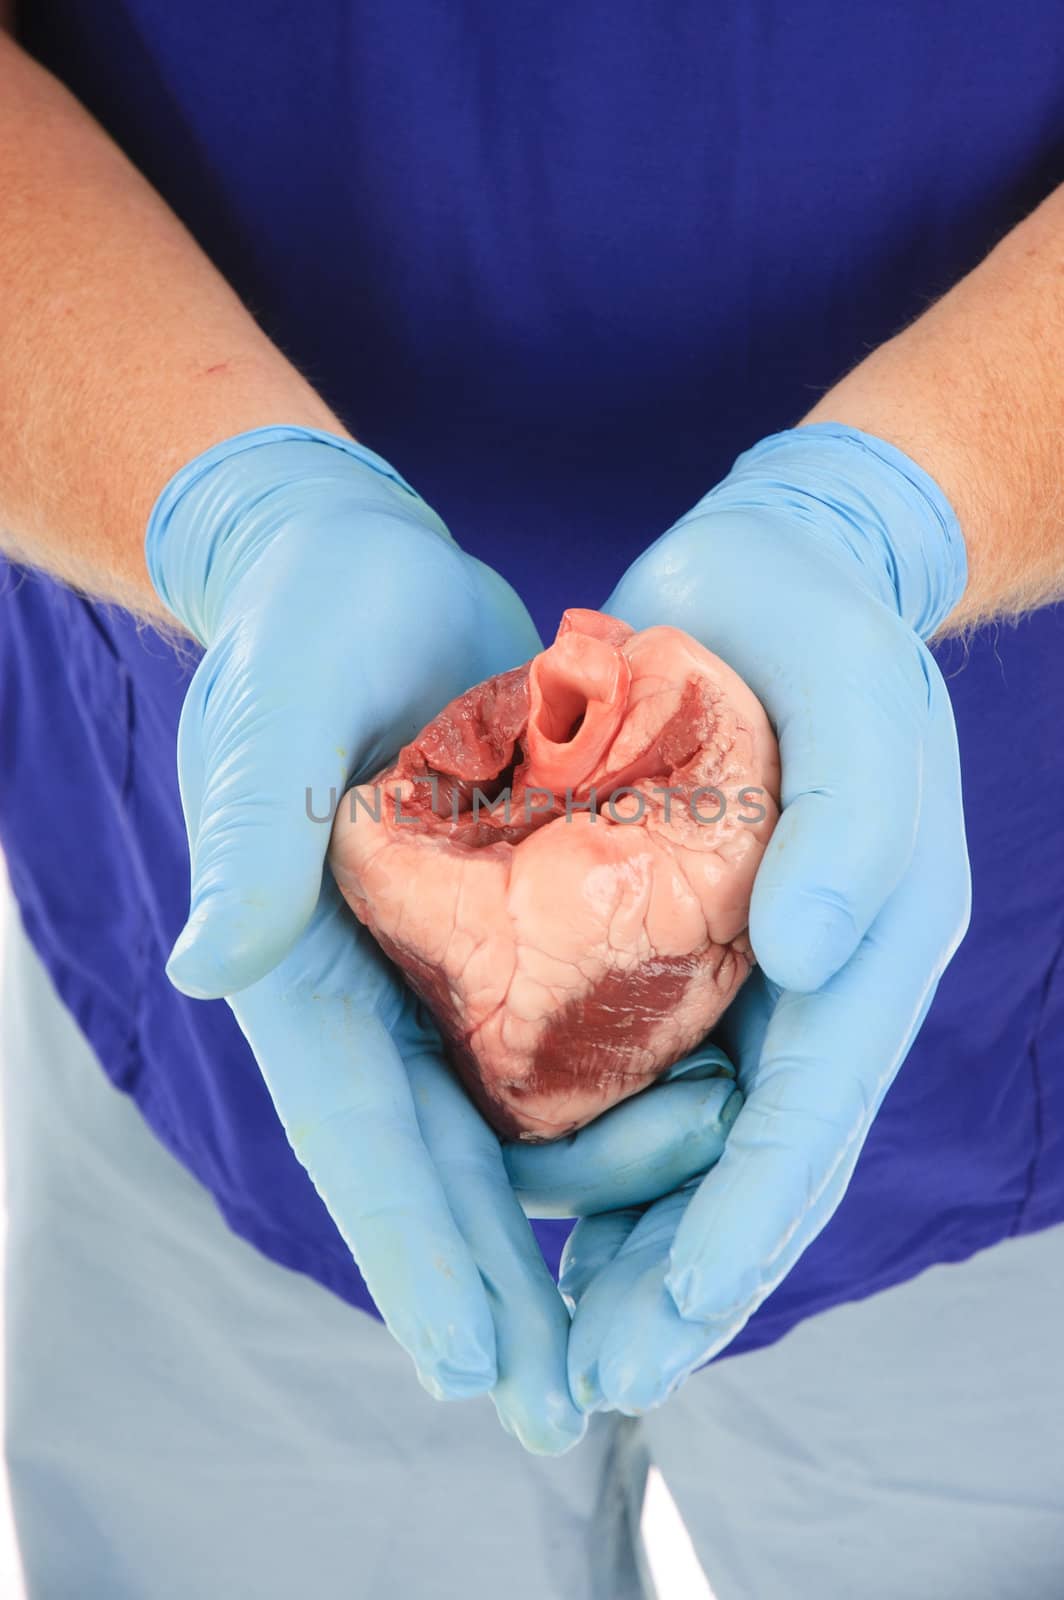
(560, 265)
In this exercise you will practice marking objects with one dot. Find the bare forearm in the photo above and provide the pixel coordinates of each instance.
(974, 392)
(123, 353)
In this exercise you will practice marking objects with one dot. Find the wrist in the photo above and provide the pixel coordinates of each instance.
(867, 498)
(222, 508)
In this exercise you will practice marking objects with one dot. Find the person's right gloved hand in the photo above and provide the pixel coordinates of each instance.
(338, 616)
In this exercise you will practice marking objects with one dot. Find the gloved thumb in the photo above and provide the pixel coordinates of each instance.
(258, 787)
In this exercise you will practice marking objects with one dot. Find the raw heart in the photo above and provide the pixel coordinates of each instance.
(571, 941)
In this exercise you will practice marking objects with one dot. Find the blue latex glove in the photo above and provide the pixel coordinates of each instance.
(338, 616)
(815, 569)
(639, 1150)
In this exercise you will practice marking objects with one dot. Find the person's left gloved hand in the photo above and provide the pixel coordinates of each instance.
(815, 570)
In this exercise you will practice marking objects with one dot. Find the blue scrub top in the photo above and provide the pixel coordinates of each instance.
(560, 264)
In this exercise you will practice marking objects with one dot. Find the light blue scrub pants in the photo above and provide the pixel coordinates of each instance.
(187, 1420)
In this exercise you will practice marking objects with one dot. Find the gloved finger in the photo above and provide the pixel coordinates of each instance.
(648, 1350)
(852, 758)
(827, 1061)
(531, 1394)
(606, 1268)
(592, 1244)
(342, 1094)
(639, 1150)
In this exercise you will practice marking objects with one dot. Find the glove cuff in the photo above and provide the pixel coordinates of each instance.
(196, 530)
(885, 510)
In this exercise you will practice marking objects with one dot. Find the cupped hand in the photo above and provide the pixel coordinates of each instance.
(815, 570)
(337, 616)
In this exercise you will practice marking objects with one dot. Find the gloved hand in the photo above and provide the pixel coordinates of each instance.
(338, 616)
(815, 569)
